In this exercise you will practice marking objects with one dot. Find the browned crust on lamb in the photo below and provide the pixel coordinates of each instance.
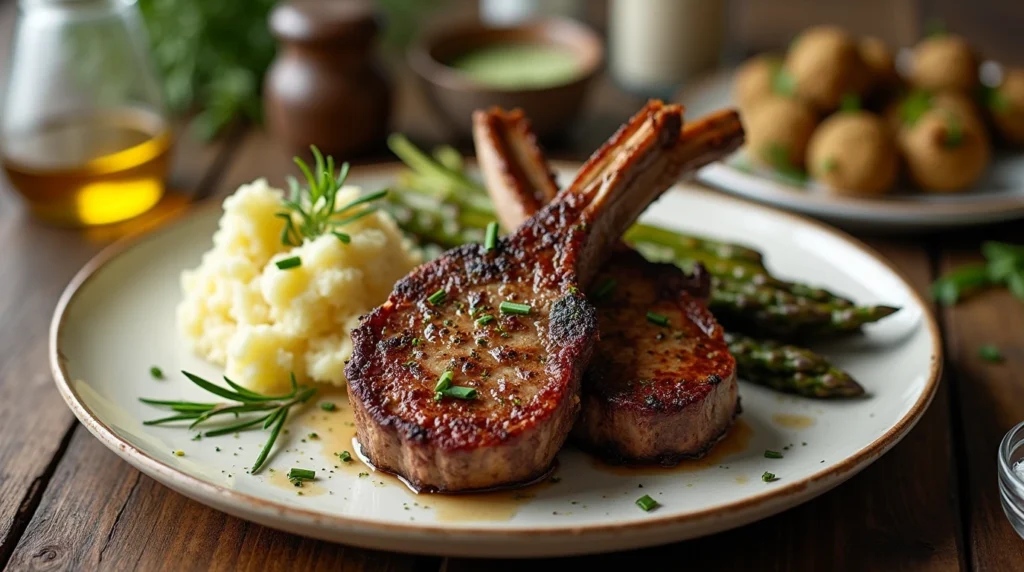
(465, 445)
(655, 408)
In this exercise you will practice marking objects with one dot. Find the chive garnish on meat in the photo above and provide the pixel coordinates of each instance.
(491, 240)
(288, 263)
(460, 392)
(437, 297)
(484, 320)
(444, 382)
(659, 319)
(507, 307)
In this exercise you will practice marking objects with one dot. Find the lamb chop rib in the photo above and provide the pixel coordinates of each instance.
(518, 369)
(648, 395)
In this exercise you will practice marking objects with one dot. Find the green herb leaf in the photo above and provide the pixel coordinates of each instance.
(916, 104)
(646, 503)
(952, 287)
(990, 353)
(156, 373)
(345, 457)
(995, 100)
(328, 406)
(954, 131)
(850, 102)
(783, 83)
(769, 454)
(288, 263)
(768, 477)
(271, 410)
(1015, 283)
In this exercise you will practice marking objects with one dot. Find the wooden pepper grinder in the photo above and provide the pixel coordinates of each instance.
(326, 87)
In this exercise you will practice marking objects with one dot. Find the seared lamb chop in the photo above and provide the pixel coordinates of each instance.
(657, 390)
(467, 377)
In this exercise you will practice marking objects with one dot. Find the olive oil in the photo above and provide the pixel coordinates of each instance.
(91, 169)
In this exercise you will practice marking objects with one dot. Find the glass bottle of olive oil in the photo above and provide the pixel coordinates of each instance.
(85, 141)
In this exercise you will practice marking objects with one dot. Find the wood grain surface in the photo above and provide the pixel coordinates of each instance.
(67, 503)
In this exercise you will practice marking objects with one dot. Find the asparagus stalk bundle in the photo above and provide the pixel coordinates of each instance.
(442, 208)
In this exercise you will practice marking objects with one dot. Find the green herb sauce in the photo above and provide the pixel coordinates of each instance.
(518, 66)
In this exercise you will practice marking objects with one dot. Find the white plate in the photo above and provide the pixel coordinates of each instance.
(116, 319)
(999, 196)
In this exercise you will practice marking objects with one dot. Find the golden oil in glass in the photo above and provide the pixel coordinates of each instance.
(91, 169)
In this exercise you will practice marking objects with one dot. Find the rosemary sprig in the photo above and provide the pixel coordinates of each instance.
(316, 205)
(271, 410)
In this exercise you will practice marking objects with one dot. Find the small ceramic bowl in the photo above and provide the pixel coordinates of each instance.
(455, 95)
(1011, 477)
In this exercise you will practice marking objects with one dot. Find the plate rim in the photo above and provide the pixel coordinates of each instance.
(895, 211)
(209, 492)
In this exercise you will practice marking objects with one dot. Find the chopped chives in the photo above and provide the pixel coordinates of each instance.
(769, 454)
(646, 503)
(459, 392)
(437, 297)
(444, 382)
(296, 474)
(491, 240)
(289, 263)
(769, 477)
(484, 320)
(345, 457)
(507, 307)
(604, 289)
(156, 372)
(328, 406)
(658, 319)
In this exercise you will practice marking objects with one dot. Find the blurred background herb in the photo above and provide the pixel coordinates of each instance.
(212, 54)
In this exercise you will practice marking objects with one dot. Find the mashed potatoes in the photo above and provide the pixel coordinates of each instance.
(262, 323)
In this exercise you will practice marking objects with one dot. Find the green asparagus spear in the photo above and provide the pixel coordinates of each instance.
(789, 368)
(720, 250)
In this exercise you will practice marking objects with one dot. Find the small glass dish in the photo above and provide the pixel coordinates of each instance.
(1011, 477)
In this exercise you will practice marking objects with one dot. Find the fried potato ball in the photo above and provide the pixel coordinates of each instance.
(825, 65)
(853, 153)
(903, 113)
(754, 79)
(1006, 106)
(879, 63)
(944, 153)
(778, 129)
(944, 63)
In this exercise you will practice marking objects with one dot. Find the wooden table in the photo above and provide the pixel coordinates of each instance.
(66, 502)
